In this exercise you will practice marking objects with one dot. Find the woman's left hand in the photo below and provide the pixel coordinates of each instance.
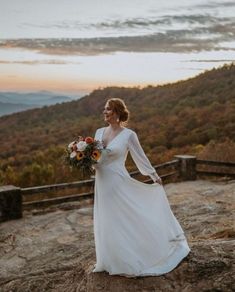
(159, 180)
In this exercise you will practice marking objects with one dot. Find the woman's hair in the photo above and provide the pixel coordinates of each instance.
(119, 107)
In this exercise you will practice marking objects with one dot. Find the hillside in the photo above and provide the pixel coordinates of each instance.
(175, 118)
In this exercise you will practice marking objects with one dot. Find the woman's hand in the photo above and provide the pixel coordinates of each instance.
(159, 180)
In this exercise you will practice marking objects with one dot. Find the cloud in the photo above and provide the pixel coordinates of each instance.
(38, 62)
(181, 40)
(191, 68)
(170, 20)
(215, 4)
(208, 61)
(134, 23)
(169, 33)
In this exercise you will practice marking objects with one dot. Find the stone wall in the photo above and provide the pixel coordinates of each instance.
(10, 203)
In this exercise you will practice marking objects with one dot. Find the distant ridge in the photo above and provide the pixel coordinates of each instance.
(9, 108)
(12, 102)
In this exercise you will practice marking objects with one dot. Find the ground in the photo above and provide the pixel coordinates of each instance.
(55, 251)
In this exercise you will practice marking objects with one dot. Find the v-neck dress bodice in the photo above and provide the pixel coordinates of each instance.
(114, 156)
(136, 233)
(102, 136)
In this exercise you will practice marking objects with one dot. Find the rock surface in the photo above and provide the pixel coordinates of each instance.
(55, 251)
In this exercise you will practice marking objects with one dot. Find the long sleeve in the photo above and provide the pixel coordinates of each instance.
(139, 157)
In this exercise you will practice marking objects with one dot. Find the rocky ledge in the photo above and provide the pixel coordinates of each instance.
(54, 251)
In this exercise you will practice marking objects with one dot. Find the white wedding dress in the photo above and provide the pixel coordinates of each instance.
(136, 233)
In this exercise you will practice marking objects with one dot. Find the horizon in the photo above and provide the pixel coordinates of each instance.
(81, 93)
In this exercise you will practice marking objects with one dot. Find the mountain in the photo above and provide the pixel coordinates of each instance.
(179, 118)
(14, 101)
(8, 108)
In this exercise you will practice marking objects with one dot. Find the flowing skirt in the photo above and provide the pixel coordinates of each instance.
(136, 233)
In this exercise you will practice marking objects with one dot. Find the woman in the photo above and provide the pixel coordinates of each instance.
(136, 233)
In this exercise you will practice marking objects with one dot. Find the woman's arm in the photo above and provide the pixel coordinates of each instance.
(140, 159)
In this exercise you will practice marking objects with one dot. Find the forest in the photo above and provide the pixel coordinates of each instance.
(195, 116)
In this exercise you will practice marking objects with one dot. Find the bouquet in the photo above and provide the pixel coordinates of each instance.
(83, 154)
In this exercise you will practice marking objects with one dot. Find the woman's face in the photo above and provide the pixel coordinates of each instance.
(109, 115)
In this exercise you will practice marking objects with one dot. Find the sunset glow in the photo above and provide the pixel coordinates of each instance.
(75, 49)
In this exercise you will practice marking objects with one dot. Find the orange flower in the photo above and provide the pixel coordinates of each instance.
(89, 140)
(80, 155)
(95, 154)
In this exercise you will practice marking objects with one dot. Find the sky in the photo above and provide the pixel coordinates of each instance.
(76, 46)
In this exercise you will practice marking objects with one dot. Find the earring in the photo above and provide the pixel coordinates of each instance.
(118, 120)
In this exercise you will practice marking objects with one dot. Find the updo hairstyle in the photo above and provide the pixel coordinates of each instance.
(119, 107)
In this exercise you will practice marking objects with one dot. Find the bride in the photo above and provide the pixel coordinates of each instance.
(136, 233)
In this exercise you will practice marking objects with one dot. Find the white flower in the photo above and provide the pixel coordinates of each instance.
(81, 146)
(73, 154)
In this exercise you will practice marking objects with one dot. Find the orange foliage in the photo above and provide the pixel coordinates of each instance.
(196, 116)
